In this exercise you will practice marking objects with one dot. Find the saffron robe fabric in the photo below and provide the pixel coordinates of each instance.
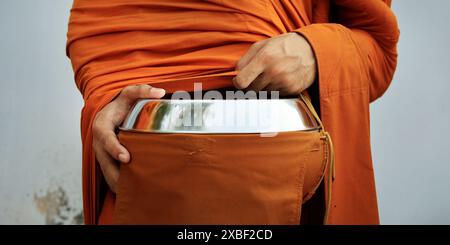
(172, 44)
(231, 179)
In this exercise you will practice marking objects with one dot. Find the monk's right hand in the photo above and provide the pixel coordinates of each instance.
(107, 147)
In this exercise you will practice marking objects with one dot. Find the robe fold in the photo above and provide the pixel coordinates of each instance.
(173, 43)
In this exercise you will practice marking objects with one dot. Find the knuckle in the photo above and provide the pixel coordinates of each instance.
(129, 90)
(142, 89)
(126, 91)
(274, 70)
(135, 91)
(98, 126)
(103, 139)
(284, 78)
(267, 55)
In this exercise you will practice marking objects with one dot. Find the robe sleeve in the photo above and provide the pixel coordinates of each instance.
(360, 45)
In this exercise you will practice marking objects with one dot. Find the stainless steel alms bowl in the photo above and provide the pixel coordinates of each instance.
(219, 116)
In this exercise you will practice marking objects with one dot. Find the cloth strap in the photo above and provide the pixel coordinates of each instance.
(330, 152)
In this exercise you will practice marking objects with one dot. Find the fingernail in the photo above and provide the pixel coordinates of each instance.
(159, 91)
(123, 157)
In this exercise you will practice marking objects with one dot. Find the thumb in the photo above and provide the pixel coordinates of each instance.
(131, 93)
(128, 97)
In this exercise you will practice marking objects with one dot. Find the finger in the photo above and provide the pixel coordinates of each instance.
(109, 168)
(131, 93)
(272, 87)
(291, 85)
(249, 73)
(259, 83)
(253, 50)
(283, 91)
(104, 135)
(113, 147)
(122, 105)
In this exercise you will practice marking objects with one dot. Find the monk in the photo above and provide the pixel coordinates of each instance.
(343, 52)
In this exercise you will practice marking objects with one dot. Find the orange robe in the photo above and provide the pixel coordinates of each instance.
(171, 44)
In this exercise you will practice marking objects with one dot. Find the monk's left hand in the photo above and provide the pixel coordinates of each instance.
(285, 63)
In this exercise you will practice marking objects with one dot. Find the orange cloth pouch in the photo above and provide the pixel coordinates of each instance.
(219, 178)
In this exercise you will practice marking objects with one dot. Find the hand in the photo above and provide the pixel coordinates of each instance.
(107, 148)
(284, 63)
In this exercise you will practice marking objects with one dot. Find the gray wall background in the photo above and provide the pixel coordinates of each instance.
(40, 148)
(411, 122)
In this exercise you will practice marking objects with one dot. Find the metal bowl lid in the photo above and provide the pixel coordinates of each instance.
(219, 116)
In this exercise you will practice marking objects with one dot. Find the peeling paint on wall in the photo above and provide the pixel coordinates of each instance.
(54, 205)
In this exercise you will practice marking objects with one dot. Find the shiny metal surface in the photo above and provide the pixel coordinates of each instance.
(219, 116)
